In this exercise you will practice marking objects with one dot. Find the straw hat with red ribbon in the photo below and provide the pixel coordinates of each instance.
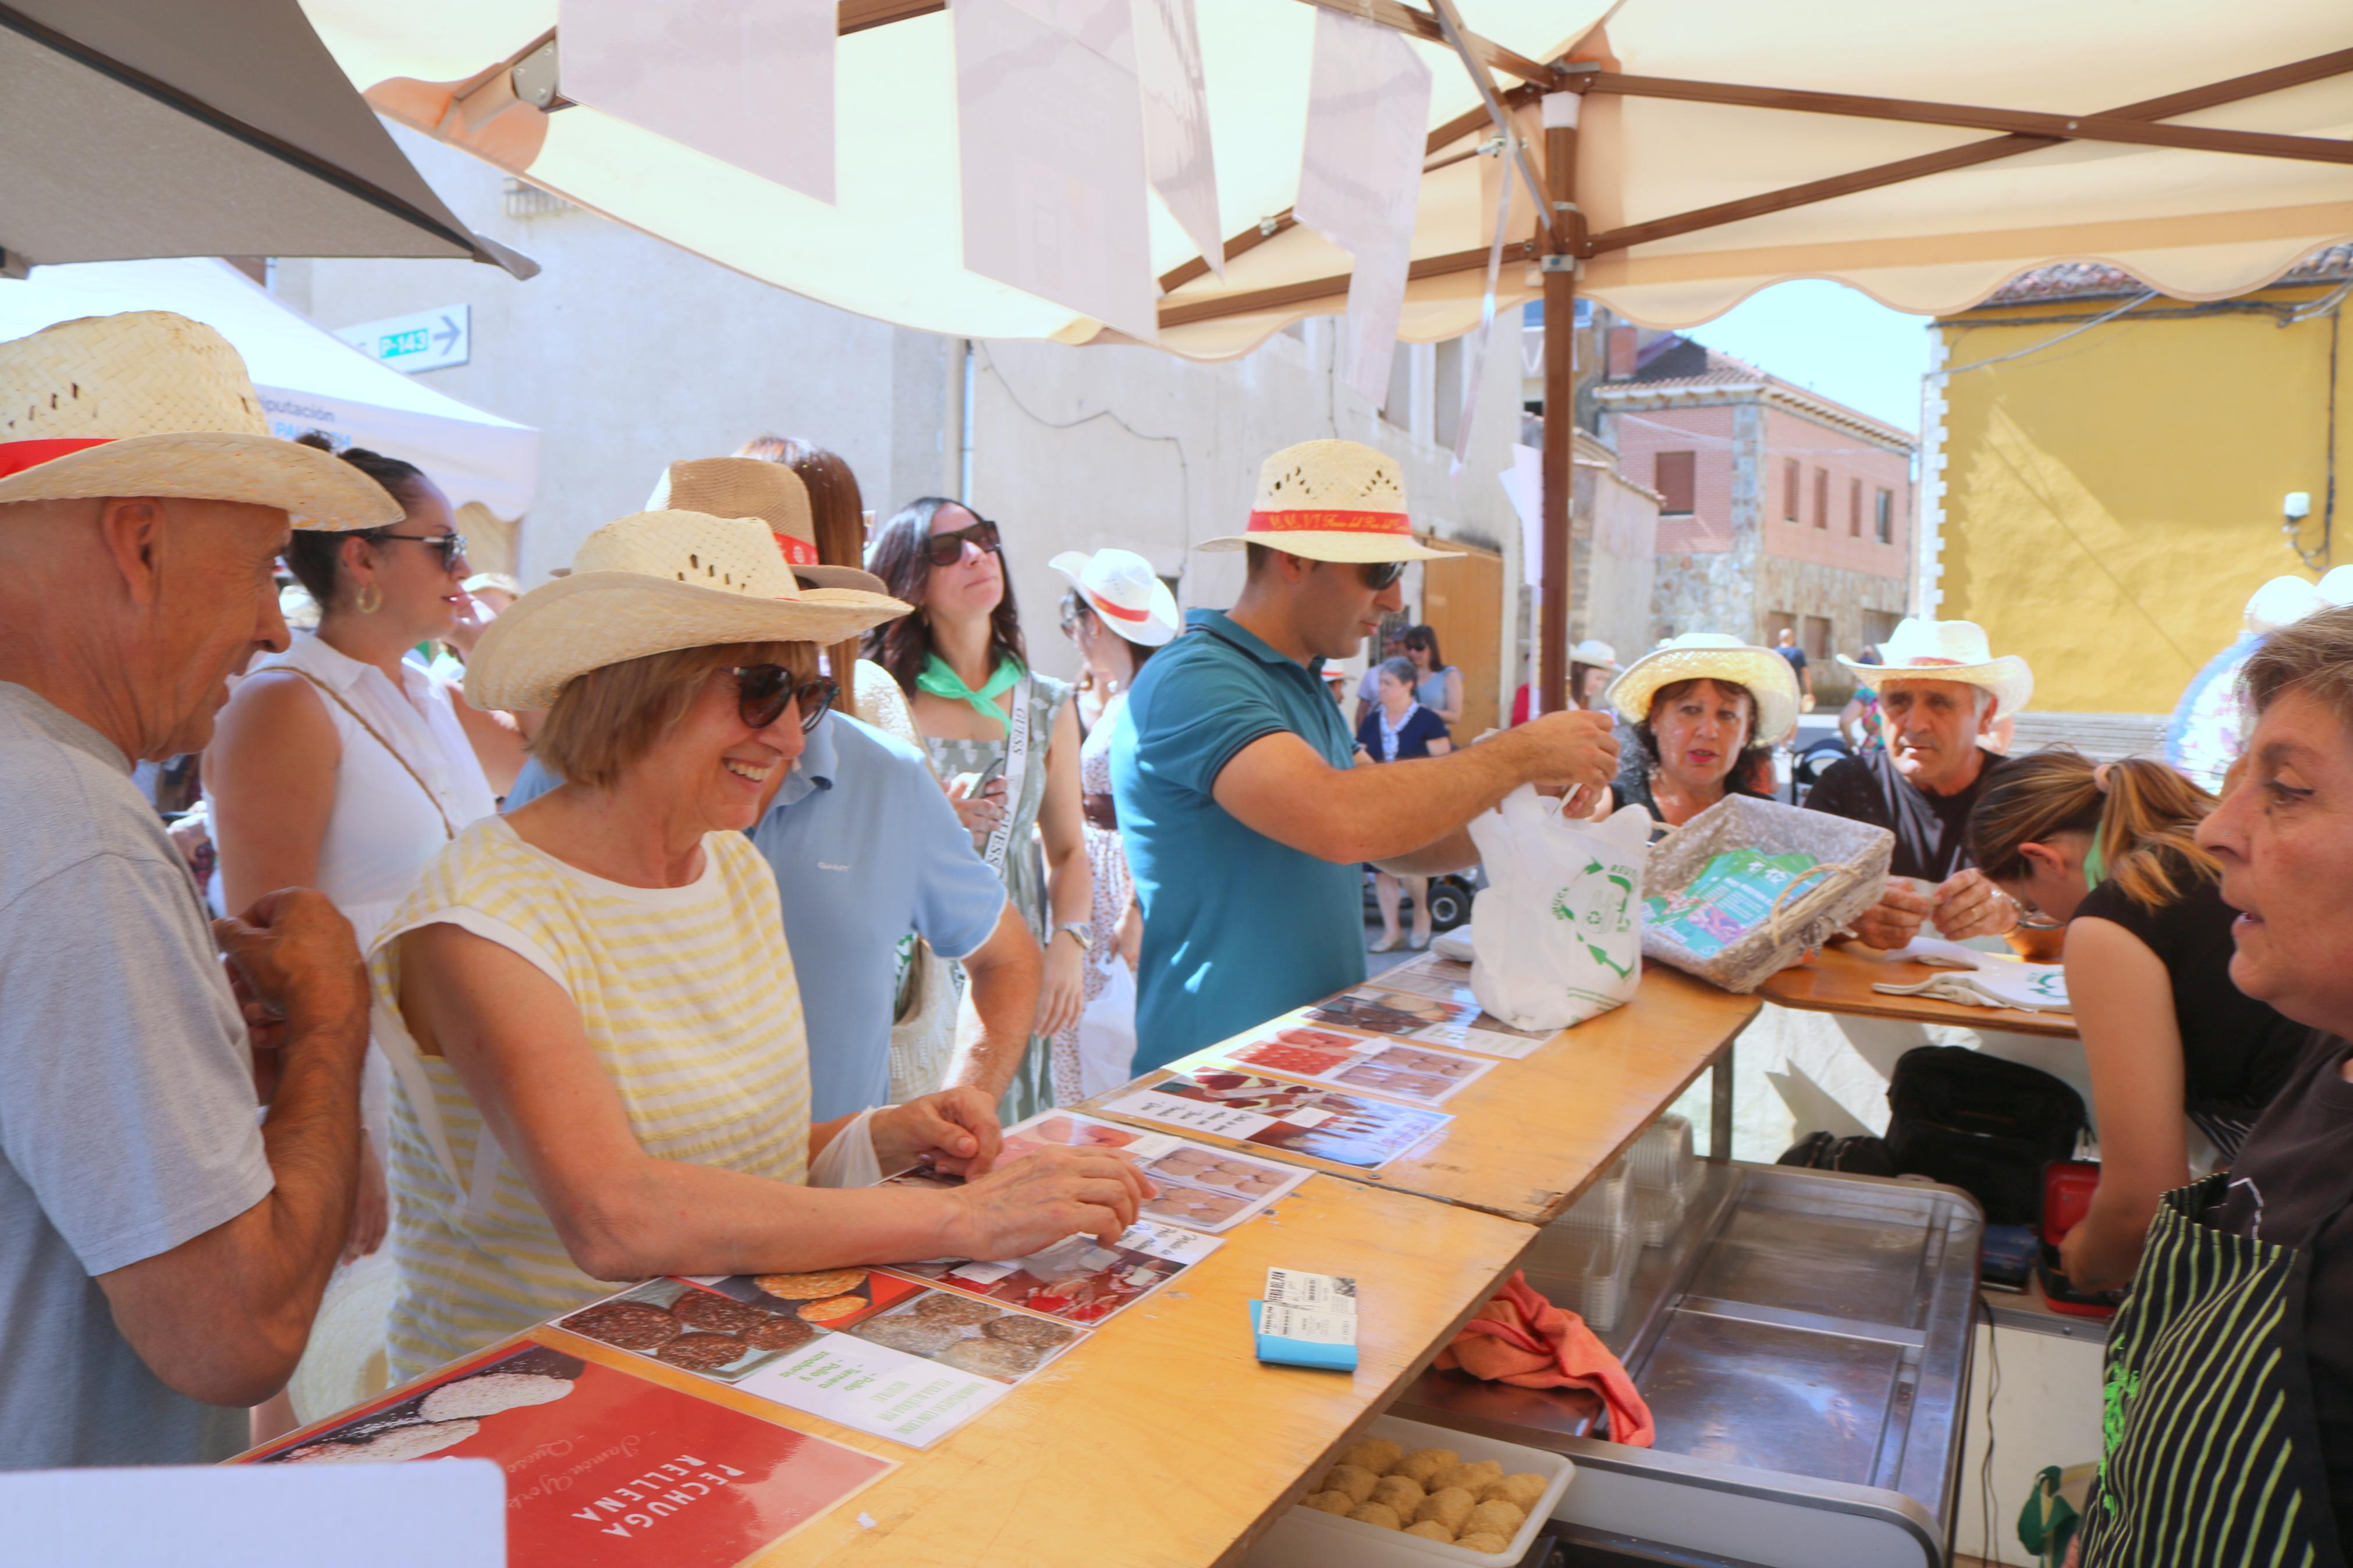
(754, 487)
(151, 403)
(1925, 649)
(1121, 587)
(1331, 500)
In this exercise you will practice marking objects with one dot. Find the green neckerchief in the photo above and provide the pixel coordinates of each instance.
(2096, 865)
(941, 681)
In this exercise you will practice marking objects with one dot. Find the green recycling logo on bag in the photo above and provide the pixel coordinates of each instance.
(1599, 901)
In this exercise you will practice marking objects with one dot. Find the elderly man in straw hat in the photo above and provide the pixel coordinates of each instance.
(1246, 823)
(864, 846)
(1939, 690)
(163, 1254)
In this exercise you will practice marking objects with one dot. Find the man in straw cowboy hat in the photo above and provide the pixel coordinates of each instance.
(1939, 690)
(864, 845)
(163, 1254)
(1245, 824)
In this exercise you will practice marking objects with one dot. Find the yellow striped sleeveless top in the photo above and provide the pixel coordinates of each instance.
(688, 995)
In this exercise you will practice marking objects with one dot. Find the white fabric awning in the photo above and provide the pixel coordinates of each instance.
(309, 379)
(2194, 223)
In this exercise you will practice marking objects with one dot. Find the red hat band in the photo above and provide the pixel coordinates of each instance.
(1391, 522)
(15, 456)
(1116, 612)
(797, 551)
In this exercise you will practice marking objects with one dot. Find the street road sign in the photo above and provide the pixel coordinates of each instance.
(422, 340)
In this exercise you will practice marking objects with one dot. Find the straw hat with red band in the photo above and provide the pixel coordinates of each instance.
(754, 487)
(1331, 500)
(151, 403)
(1923, 650)
(1120, 587)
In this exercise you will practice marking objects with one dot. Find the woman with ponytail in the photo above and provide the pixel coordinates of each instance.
(2109, 852)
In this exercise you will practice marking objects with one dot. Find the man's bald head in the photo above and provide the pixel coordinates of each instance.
(130, 613)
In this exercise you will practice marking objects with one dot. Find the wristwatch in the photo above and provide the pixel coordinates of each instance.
(1082, 930)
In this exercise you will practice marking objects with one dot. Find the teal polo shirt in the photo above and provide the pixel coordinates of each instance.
(1238, 928)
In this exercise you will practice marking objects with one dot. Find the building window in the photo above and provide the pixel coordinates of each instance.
(1854, 509)
(1883, 516)
(1790, 483)
(1821, 498)
(1673, 478)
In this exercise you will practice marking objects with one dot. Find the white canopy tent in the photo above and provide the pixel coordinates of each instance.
(309, 379)
(1693, 151)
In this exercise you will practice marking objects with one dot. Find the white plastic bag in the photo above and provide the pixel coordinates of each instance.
(1558, 932)
(1107, 1033)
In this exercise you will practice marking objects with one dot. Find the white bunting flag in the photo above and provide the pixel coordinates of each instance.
(1177, 153)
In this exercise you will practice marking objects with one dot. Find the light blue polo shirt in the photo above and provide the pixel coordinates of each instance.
(1237, 927)
(866, 848)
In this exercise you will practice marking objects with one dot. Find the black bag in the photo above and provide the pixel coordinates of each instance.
(1982, 1124)
(1860, 1155)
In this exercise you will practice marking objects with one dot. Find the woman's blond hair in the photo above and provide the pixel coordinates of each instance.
(606, 721)
(2146, 817)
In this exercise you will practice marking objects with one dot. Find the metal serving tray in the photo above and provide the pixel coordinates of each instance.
(1803, 1342)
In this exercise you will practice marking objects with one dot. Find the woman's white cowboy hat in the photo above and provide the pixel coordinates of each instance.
(754, 487)
(1121, 587)
(1331, 500)
(1923, 650)
(2337, 586)
(2283, 601)
(654, 583)
(1712, 656)
(151, 403)
(1595, 652)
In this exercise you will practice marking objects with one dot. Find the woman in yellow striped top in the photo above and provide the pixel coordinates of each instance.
(590, 1004)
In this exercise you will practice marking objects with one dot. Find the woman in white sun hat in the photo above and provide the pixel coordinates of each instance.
(590, 1002)
(1707, 710)
(1115, 612)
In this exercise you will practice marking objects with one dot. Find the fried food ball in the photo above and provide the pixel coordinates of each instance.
(1378, 1513)
(1353, 1480)
(1450, 1506)
(1523, 1491)
(1430, 1529)
(1374, 1454)
(1402, 1493)
(1471, 1479)
(1330, 1502)
(1489, 1543)
(1424, 1463)
(1494, 1519)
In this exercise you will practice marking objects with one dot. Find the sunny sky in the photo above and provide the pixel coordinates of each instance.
(1827, 337)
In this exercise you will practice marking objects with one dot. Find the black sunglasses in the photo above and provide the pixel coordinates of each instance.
(763, 692)
(452, 545)
(948, 549)
(1379, 575)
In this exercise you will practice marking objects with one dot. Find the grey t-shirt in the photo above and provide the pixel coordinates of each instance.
(126, 1097)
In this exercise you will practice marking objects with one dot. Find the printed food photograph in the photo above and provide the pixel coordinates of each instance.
(1059, 1129)
(1384, 1012)
(1311, 1053)
(1342, 1128)
(1411, 1072)
(1079, 1280)
(737, 1327)
(970, 1336)
(1210, 1189)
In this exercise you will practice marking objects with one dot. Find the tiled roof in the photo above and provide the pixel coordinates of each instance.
(2096, 280)
(1671, 362)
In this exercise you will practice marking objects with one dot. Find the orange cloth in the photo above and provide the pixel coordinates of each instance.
(1525, 1341)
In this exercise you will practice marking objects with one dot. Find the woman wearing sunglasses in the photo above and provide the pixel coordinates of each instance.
(1008, 742)
(591, 1002)
(341, 765)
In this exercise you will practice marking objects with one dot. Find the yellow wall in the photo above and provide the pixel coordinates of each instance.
(2111, 501)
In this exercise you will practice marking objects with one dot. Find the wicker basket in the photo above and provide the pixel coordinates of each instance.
(1811, 911)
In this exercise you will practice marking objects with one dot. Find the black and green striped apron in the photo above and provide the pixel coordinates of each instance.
(2212, 1454)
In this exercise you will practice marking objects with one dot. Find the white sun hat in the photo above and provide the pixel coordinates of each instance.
(754, 487)
(2337, 586)
(654, 583)
(1923, 650)
(1595, 652)
(1765, 675)
(1120, 587)
(2283, 601)
(151, 403)
(1331, 500)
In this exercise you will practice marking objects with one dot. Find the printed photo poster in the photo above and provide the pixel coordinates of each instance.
(604, 1470)
(1396, 1070)
(1404, 1012)
(1297, 1117)
(1078, 1280)
(1201, 1188)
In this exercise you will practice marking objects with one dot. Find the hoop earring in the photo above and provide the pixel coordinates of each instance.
(369, 600)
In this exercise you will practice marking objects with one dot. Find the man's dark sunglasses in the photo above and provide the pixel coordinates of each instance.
(1379, 575)
(450, 545)
(763, 692)
(948, 549)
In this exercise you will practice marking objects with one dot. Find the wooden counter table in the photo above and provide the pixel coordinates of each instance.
(1839, 979)
(1529, 1137)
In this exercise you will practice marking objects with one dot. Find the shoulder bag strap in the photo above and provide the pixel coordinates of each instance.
(336, 698)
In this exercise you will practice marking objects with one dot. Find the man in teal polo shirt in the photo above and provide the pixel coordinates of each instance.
(1245, 825)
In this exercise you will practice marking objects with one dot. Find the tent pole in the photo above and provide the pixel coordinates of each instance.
(1560, 398)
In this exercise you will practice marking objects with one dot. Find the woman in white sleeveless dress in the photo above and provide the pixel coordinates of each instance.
(341, 765)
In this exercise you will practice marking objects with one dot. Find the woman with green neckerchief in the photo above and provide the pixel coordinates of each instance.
(1007, 741)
